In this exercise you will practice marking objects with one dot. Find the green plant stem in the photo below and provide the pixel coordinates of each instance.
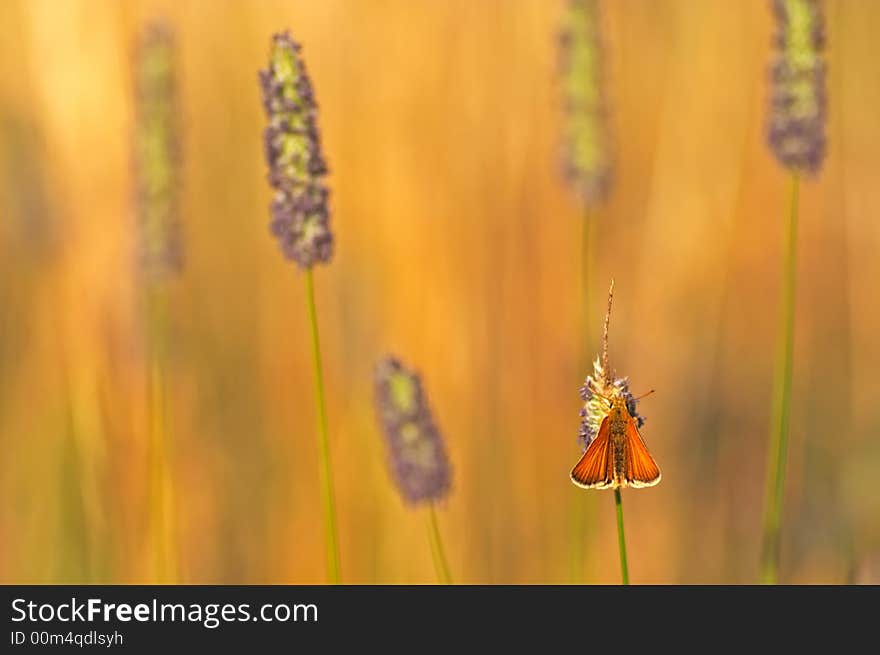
(621, 539)
(161, 480)
(779, 427)
(580, 508)
(583, 506)
(441, 566)
(327, 499)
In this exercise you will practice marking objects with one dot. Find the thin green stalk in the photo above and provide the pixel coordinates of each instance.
(440, 564)
(580, 507)
(583, 506)
(165, 569)
(781, 400)
(331, 538)
(621, 539)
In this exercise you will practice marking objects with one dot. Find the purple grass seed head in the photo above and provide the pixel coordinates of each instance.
(416, 453)
(595, 408)
(797, 115)
(587, 148)
(300, 208)
(157, 161)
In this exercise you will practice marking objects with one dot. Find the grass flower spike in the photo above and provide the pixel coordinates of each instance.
(300, 214)
(301, 221)
(157, 184)
(796, 136)
(595, 409)
(588, 162)
(797, 115)
(417, 456)
(418, 460)
(157, 155)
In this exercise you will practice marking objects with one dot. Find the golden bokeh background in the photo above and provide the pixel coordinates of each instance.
(458, 247)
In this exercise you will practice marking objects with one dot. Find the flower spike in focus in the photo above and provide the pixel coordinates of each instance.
(300, 212)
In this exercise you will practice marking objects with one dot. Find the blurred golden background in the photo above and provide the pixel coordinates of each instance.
(458, 248)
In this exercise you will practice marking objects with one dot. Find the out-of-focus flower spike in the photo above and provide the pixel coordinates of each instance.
(157, 154)
(417, 455)
(587, 148)
(798, 101)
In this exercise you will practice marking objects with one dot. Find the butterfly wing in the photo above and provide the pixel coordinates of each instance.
(595, 470)
(641, 470)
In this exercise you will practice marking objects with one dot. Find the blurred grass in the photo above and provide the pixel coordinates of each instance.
(459, 245)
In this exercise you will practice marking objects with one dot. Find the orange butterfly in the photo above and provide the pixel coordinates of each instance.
(617, 457)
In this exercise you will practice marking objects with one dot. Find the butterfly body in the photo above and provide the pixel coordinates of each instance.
(617, 457)
(617, 419)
